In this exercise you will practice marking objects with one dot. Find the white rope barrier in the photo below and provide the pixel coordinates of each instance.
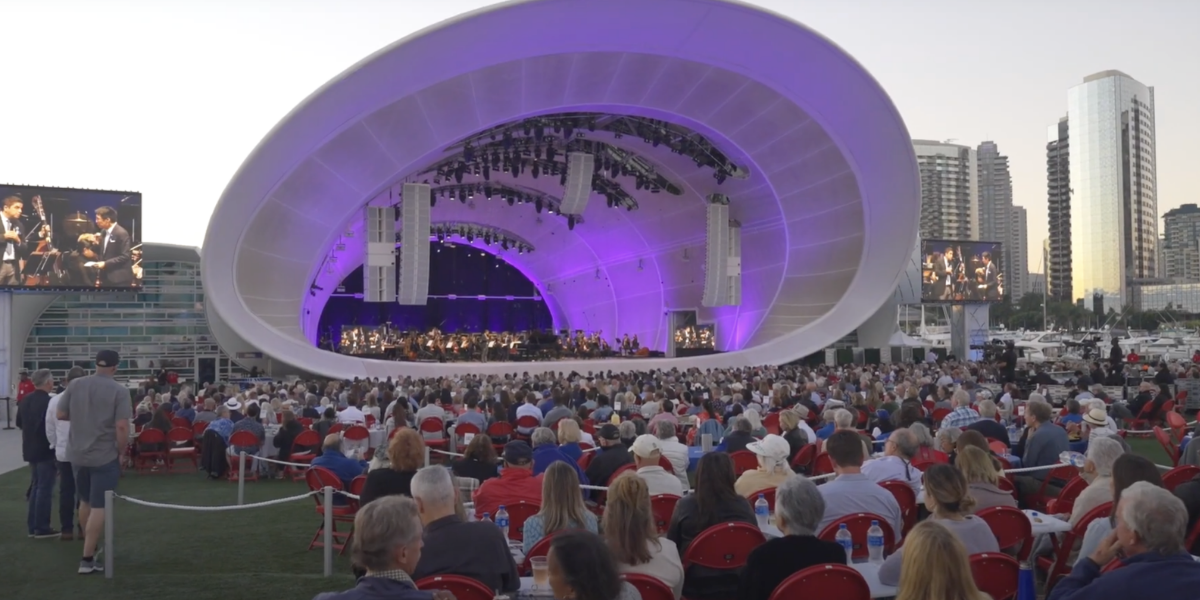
(219, 508)
(279, 462)
(1032, 469)
(446, 452)
(593, 487)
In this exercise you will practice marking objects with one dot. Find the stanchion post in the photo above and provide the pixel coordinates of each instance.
(427, 456)
(8, 413)
(109, 509)
(328, 531)
(242, 478)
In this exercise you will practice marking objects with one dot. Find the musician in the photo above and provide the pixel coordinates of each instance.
(947, 271)
(991, 283)
(15, 247)
(116, 251)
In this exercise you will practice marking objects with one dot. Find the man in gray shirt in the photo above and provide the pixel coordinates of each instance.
(1045, 442)
(99, 410)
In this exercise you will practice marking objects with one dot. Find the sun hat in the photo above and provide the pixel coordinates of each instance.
(1096, 416)
(772, 446)
(232, 404)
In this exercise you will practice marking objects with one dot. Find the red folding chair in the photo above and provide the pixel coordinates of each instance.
(629, 467)
(147, 461)
(822, 464)
(318, 479)
(541, 548)
(500, 430)
(743, 460)
(356, 487)
(518, 513)
(462, 429)
(1065, 501)
(585, 460)
(181, 422)
(305, 422)
(998, 447)
(803, 460)
(1058, 476)
(1171, 479)
(1169, 446)
(858, 524)
(463, 588)
(370, 420)
(1006, 484)
(585, 446)
(771, 424)
(527, 422)
(589, 425)
(723, 546)
(939, 415)
(663, 507)
(1056, 565)
(1192, 537)
(824, 581)
(1177, 424)
(649, 588)
(1143, 418)
(242, 439)
(666, 464)
(1011, 528)
(434, 425)
(931, 455)
(181, 445)
(304, 450)
(768, 494)
(996, 574)
(335, 428)
(906, 498)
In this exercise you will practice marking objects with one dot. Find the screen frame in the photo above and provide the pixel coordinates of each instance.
(928, 245)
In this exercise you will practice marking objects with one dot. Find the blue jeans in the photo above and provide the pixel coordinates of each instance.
(41, 495)
(67, 503)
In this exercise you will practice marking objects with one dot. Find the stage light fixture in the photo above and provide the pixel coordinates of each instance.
(571, 222)
(511, 201)
(537, 205)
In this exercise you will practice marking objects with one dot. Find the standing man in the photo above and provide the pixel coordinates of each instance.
(99, 410)
(13, 241)
(116, 249)
(35, 448)
(58, 431)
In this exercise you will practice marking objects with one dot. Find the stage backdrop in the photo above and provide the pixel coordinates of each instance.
(454, 270)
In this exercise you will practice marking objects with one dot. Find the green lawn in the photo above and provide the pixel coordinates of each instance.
(255, 553)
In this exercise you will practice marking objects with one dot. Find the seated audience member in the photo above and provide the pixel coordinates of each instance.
(611, 456)
(398, 416)
(851, 492)
(628, 431)
(674, 450)
(1102, 453)
(546, 453)
(797, 438)
(581, 567)
(1127, 470)
(222, 425)
(771, 452)
(254, 426)
(516, 481)
(896, 464)
(947, 440)
(143, 415)
(431, 410)
(561, 410)
(289, 428)
(529, 409)
(798, 510)
(739, 435)
(963, 414)
(1096, 422)
(387, 543)
(667, 414)
(344, 467)
(455, 546)
(646, 453)
(474, 414)
(478, 461)
(1149, 543)
(950, 503)
(562, 507)
(569, 436)
(328, 419)
(1045, 442)
(351, 415)
(937, 566)
(235, 409)
(713, 501)
(406, 454)
(987, 424)
(631, 535)
(978, 468)
(186, 411)
(1189, 493)
(209, 412)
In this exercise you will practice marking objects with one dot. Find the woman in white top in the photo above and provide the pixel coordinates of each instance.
(631, 536)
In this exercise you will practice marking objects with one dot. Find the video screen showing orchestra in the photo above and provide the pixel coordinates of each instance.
(955, 272)
(68, 239)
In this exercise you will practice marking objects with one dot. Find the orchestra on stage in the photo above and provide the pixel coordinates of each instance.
(385, 341)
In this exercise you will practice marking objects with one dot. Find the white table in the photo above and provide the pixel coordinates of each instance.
(870, 572)
(527, 591)
(1044, 524)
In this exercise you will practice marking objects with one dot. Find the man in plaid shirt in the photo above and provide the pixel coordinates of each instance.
(963, 414)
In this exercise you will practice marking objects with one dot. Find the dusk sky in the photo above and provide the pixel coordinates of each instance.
(169, 97)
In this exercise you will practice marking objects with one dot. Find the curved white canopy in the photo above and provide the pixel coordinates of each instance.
(829, 211)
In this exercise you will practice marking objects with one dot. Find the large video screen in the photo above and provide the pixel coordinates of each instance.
(67, 239)
(961, 272)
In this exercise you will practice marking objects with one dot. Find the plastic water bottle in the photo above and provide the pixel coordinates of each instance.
(502, 521)
(487, 518)
(762, 511)
(875, 543)
(846, 541)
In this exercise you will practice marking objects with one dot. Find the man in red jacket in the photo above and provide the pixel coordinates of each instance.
(25, 387)
(515, 483)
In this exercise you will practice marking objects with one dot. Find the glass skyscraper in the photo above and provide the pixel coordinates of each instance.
(1114, 208)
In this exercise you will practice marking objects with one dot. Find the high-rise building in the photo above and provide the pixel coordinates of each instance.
(1057, 253)
(949, 191)
(1016, 253)
(1112, 186)
(1179, 251)
(995, 203)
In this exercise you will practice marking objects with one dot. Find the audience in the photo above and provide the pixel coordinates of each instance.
(478, 461)
(1127, 470)
(209, 412)
(328, 419)
(569, 436)
(454, 546)
(1102, 453)
(1044, 443)
(797, 438)
(581, 567)
(772, 453)
(406, 454)
(1148, 541)
(987, 423)
(515, 483)
(546, 452)
(529, 409)
(674, 451)
(1189, 493)
(949, 503)
(896, 464)
(611, 456)
(646, 455)
(851, 492)
(978, 468)
(222, 425)
(631, 535)
(344, 467)
(714, 501)
(562, 507)
(798, 510)
(289, 429)
(739, 436)
(253, 425)
(937, 566)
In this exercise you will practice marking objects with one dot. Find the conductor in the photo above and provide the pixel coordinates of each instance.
(116, 251)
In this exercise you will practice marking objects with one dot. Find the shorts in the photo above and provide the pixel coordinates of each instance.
(92, 482)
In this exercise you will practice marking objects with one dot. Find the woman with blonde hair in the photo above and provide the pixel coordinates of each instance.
(630, 533)
(938, 567)
(789, 425)
(562, 507)
(948, 499)
(978, 468)
(569, 436)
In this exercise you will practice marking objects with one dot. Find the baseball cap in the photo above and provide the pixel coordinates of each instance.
(772, 446)
(608, 431)
(107, 358)
(802, 410)
(646, 445)
(517, 452)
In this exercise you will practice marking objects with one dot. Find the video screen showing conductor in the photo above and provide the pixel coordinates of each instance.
(68, 239)
(961, 272)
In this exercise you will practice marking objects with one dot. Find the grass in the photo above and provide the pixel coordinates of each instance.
(160, 553)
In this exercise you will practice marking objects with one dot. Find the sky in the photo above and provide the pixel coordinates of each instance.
(168, 97)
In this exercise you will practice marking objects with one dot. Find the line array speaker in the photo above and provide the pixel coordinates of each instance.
(379, 268)
(413, 288)
(579, 183)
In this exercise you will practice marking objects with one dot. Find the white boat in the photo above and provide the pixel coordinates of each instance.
(1041, 346)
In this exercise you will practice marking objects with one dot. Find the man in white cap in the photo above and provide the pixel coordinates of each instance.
(772, 468)
(647, 451)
